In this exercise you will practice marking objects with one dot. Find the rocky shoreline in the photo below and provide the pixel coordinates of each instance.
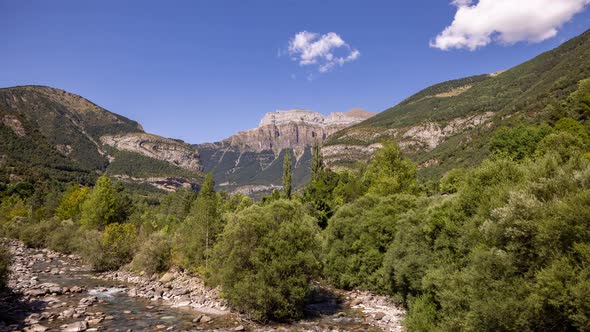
(380, 310)
(39, 305)
(178, 289)
(174, 288)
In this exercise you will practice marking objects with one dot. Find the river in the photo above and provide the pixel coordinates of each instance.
(55, 292)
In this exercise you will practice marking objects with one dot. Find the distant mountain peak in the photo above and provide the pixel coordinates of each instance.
(303, 116)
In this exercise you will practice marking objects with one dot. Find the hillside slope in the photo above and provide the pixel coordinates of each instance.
(448, 125)
(50, 133)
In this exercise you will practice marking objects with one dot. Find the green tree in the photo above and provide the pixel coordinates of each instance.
(317, 162)
(266, 258)
(287, 175)
(389, 173)
(102, 208)
(574, 128)
(208, 187)
(517, 143)
(579, 101)
(358, 237)
(70, 205)
(199, 231)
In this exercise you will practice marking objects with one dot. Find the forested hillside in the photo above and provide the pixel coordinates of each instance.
(52, 137)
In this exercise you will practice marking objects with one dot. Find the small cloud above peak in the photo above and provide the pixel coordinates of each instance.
(505, 22)
(323, 51)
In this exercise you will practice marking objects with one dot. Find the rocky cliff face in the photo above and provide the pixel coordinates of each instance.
(157, 147)
(251, 160)
(294, 129)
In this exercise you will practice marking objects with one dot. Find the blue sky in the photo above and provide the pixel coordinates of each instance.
(202, 70)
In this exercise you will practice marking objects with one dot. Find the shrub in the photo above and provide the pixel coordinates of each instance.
(266, 258)
(4, 265)
(36, 234)
(111, 249)
(422, 317)
(358, 236)
(518, 143)
(64, 238)
(153, 255)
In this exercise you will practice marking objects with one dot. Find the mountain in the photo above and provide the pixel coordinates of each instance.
(50, 133)
(448, 125)
(251, 161)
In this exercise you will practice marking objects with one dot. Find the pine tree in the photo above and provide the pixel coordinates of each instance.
(287, 175)
(317, 163)
(208, 188)
(201, 227)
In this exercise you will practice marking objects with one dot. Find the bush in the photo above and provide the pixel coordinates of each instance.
(111, 249)
(36, 234)
(422, 316)
(358, 237)
(64, 238)
(518, 143)
(4, 265)
(153, 255)
(266, 258)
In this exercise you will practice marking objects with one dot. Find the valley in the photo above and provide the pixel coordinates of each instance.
(463, 207)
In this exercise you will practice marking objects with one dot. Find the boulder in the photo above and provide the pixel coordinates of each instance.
(167, 277)
(76, 327)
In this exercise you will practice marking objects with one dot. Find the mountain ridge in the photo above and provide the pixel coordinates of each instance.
(70, 131)
(448, 125)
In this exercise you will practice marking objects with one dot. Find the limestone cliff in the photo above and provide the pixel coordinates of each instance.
(294, 129)
(157, 147)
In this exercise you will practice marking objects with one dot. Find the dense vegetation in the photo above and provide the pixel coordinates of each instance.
(503, 246)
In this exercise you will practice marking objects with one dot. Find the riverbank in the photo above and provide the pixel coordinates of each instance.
(52, 291)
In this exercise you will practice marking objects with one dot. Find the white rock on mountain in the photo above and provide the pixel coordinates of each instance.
(294, 129)
(157, 147)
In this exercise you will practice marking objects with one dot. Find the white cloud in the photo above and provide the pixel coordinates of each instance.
(324, 51)
(505, 21)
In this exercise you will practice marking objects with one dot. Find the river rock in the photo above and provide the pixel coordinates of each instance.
(205, 319)
(167, 277)
(68, 313)
(36, 328)
(88, 301)
(36, 292)
(76, 289)
(56, 290)
(240, 328)
(76, 327)
(379, 315)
